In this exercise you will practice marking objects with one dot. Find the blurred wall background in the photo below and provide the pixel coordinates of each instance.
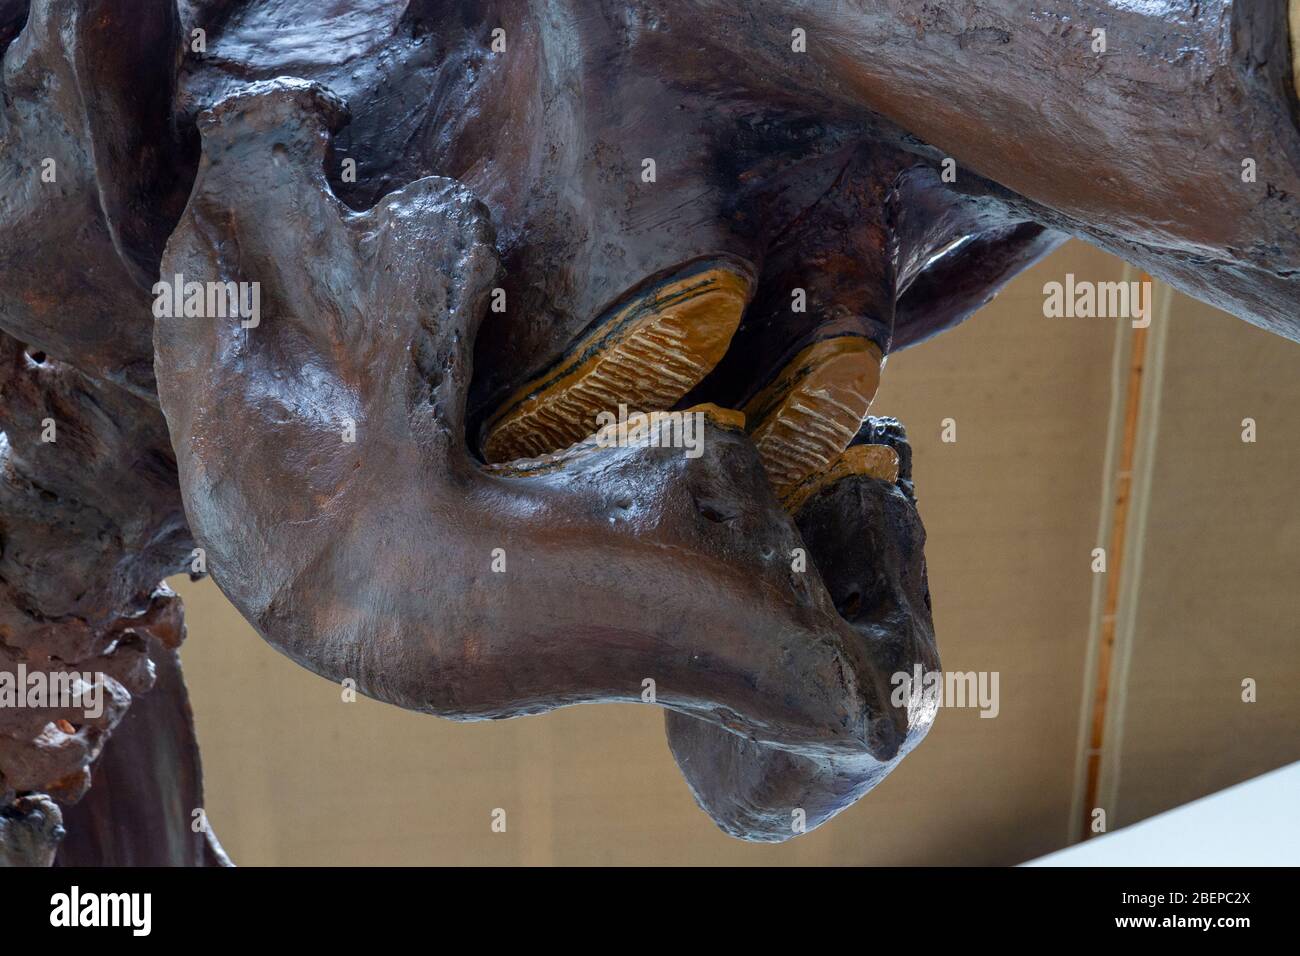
(1013, 509)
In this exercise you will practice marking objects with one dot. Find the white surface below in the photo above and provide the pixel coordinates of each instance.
(1256, 823)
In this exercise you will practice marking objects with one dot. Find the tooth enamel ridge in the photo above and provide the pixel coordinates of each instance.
(646, 355)
(814, 408)
(868, 461)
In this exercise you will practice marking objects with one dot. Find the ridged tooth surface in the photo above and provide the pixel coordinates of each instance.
(871, 461)
(544, 462)
(647, 356)
(814, 408)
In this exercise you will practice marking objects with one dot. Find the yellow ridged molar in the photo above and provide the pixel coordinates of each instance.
(647, 355)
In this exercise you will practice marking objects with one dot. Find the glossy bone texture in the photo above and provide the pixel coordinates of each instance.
(325, 470)
(95, 175)
(502, 144)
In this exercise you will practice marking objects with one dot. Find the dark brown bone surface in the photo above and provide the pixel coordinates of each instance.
(520, 168)
(91, 522)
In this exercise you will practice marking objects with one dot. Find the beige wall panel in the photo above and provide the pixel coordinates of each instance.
(1220, 594)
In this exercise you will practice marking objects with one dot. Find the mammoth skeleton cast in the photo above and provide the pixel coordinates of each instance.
(481, 236)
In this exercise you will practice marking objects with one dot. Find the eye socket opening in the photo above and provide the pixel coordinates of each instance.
(850, 606)
(35, 356)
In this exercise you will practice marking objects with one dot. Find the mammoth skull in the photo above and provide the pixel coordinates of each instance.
(502, 356)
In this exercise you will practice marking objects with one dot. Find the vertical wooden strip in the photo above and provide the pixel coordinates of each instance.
(1132, 447)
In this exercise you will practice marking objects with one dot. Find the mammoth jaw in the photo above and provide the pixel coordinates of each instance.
(324, 467)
